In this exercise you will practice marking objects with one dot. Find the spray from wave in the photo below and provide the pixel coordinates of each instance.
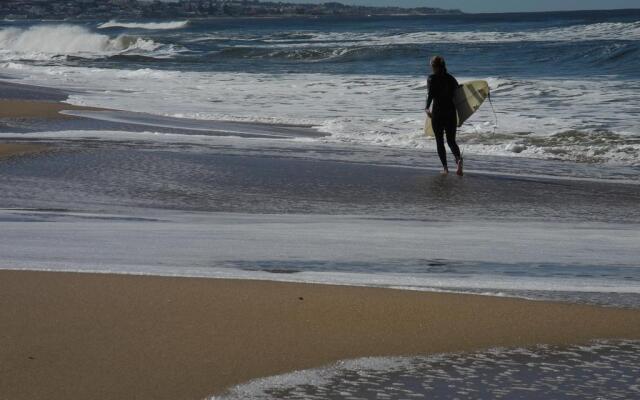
(49, 41)
(145, 25)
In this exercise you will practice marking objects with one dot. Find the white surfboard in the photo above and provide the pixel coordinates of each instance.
(468, 98)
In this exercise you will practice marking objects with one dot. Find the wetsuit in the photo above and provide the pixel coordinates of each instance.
(441, 88)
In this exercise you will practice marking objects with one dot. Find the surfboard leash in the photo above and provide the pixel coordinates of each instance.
(495, 114)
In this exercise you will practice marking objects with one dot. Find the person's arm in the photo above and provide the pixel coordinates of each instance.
(429, 94)
(455, 81)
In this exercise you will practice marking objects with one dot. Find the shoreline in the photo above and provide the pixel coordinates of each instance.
(27, 108)
(204, 336)
(41, 109)
(32, 108)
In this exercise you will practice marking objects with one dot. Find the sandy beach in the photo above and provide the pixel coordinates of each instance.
(260, 201)
(78, 336)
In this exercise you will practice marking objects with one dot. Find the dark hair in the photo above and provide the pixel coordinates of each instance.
(438, 62)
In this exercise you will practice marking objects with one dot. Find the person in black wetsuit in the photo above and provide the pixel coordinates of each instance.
(441, 87)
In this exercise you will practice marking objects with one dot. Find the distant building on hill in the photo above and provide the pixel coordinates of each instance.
(98, 9)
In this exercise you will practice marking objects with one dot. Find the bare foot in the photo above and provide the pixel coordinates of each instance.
(460, 172)
(445, 171)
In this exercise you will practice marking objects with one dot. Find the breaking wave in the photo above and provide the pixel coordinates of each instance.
(51, 41)
(145, 25)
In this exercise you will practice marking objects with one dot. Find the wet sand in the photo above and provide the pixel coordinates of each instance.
(27, 108)
(72, 336)
(20, 149)
(36, 109)
(20, 91)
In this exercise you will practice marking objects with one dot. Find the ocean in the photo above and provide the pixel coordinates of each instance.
(564, 85)
(292, 150)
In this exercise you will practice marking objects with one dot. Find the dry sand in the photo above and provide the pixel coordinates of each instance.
(82, 336)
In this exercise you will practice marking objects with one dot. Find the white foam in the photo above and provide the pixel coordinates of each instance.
(536, 117)
(599, 368)
(44, 42)
(145, 25)
(221, 245)
(579, 32)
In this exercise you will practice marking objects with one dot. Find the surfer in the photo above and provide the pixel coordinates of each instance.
(444, 119)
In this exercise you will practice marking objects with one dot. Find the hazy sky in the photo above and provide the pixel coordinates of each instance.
(499, 5)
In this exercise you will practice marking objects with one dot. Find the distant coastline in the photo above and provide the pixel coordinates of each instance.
(560, 12)
(136, 9)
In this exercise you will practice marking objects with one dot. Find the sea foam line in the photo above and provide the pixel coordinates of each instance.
(145, 25)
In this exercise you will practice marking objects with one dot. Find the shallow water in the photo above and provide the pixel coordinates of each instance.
(288, 180)
(603, 370)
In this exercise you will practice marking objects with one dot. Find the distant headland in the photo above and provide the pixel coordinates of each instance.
(97, 9)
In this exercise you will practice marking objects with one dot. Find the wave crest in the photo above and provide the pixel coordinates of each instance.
(145, 25)
(48, 41)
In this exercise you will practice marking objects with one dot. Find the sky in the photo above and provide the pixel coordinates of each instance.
(497, 5)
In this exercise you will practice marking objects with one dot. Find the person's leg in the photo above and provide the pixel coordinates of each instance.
(451, 141)
(438, 130)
